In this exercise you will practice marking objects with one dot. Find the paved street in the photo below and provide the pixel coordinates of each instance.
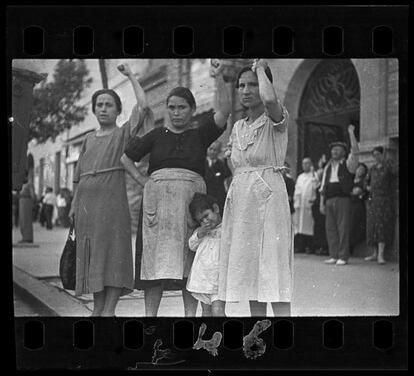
(360, 288)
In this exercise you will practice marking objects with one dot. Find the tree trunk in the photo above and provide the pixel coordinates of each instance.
(104, 75)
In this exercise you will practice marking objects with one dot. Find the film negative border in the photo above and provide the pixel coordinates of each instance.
(246, 31)
(329, 342)
(287, 343)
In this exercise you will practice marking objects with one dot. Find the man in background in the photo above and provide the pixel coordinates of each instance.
(216, 173)
(305, 194)
(49, 202)
(337, 183)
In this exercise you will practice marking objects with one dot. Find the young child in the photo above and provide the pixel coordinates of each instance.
(205, 241)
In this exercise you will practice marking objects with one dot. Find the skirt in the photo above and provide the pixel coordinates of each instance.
(256, 252)
(165, 225)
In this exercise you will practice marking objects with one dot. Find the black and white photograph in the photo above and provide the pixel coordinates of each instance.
(205, 187)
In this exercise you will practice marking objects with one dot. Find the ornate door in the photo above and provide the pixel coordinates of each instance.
(330, 102)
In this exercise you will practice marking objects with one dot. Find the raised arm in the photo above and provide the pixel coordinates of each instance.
(353, 158)
(223, 102)
(267, 92)
(138, 90)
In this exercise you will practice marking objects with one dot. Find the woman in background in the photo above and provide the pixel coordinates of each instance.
(381, 213)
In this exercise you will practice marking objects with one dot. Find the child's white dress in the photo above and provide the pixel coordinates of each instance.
(203, 279)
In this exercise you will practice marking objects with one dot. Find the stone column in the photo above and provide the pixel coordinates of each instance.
(25, 74)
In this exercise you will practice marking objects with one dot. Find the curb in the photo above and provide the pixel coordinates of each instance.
(56, 302)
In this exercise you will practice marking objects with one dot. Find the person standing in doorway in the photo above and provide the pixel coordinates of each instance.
(305, 195)
(49, 202)
(337, 183)
(216, 172)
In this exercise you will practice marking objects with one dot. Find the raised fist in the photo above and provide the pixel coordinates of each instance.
(216, 67)
(351, 128)
(125, 69)
(259, 63)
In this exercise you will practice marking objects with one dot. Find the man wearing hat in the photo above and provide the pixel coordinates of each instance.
(336, 187)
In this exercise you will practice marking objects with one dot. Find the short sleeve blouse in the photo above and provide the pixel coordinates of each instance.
(168, 149)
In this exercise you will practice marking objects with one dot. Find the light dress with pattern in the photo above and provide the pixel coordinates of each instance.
(256, 252)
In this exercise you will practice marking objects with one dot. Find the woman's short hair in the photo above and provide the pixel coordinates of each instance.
(184, 93)
(110, 92)
(201, 202)
(248, 68)
(379, 149)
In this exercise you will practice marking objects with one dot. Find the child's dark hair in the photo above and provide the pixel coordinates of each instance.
(201, 202)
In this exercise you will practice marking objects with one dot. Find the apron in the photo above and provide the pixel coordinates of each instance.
(167, 223)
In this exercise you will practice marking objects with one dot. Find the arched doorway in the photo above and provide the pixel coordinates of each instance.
(329, 103)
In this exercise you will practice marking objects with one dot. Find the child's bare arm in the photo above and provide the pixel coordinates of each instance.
(194, 241)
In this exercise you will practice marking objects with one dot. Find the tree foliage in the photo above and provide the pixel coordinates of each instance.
(55, 102)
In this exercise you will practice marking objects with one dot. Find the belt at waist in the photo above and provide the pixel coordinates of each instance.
(175, 174)
(242, 170)
(95, 172)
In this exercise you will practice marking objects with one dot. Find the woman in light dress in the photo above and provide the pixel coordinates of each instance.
(256, 248)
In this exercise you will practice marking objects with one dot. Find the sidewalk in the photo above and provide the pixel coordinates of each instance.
(360, 288)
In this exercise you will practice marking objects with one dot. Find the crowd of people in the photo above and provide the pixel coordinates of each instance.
(49, 210)
(333, 215)
(185, 206)
(220, 225)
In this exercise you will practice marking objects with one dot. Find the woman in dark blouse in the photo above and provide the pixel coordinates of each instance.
(177, 156)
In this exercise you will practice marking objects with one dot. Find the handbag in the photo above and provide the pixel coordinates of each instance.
(67, 266)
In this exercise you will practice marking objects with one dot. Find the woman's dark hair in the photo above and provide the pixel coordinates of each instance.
(201, 202)
(110, 92)
(249, 68)
(185, 93)
(379, 149)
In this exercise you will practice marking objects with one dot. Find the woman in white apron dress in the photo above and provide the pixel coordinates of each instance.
(257, 237)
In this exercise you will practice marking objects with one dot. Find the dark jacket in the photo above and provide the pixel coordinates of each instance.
(341, 189)
(290, 188)
(214, 177)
